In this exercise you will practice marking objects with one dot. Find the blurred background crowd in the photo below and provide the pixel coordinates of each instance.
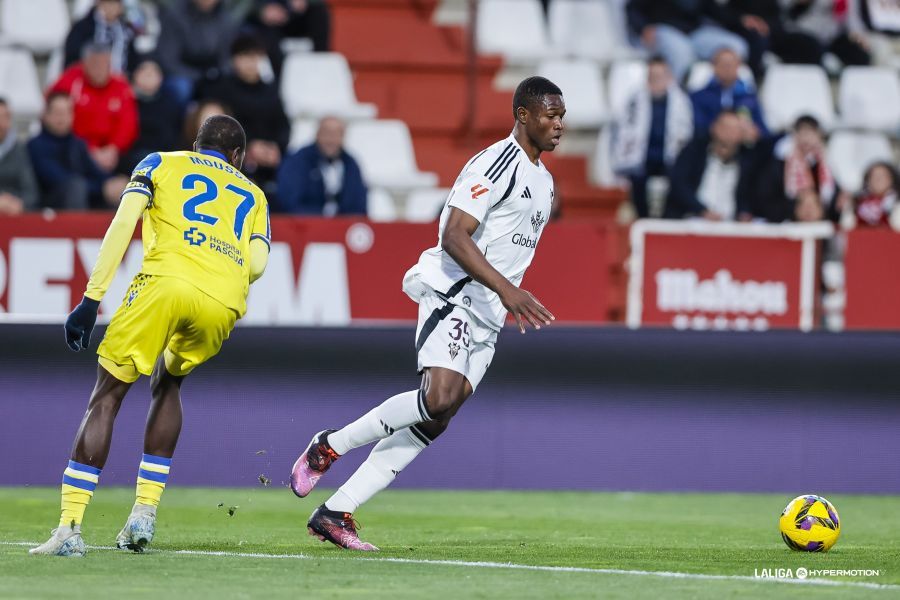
(766, 110)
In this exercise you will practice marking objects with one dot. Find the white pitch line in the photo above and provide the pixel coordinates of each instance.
(513, 566)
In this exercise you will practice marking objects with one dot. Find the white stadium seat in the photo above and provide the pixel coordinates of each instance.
(625, 79)
(425, 206)
(585, 30)
(320, 84)
(39, 25)
(54, 66)
(791, 91)
(702, 72)
(601, 170)
(385, 154)
(515, 29)
(381, 206)
(81, 7)
(869, 98)
(582, 86)
(19, 83)
(851, 153)
(303, 133)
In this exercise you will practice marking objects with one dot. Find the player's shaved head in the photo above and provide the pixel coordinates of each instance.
(223, 134)
(531, 92)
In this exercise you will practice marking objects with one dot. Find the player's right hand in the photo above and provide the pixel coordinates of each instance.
(525, 308)
(80, 324)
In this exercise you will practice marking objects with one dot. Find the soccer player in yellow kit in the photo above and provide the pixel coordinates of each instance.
(206, 239)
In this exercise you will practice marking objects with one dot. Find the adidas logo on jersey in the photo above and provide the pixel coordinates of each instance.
(526, 193)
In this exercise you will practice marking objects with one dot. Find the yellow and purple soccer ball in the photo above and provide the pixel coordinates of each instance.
(810, 524)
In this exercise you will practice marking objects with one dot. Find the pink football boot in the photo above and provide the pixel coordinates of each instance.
(339, 528)
(312, 464)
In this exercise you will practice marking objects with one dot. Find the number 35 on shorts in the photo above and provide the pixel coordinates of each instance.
(460, 336)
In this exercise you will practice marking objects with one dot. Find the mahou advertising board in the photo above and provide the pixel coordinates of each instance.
(723, 276)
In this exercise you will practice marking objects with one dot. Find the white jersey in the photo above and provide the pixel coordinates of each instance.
(511, 198)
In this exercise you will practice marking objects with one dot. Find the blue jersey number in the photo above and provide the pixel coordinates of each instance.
(211, 192)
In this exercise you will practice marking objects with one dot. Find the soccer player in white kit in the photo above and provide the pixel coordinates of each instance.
(465, 286)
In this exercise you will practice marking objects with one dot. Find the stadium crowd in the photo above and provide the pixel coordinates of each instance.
(713, 145)
(112, 105)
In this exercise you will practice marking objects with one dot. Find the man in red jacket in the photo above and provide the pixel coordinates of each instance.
(106, 114)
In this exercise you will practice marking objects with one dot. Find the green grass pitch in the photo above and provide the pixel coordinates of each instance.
(597, 544)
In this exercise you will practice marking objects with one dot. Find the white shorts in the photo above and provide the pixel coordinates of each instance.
(448, 336)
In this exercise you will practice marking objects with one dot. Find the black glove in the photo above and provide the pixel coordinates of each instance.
(80, 324)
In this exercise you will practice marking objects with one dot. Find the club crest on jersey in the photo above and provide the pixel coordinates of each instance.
(478, 190)
(537, 221)
(454, 350)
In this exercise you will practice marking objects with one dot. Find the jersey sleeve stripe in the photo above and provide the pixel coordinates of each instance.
(141, 190)
(259, 236)
(496, 177)
(500, 159)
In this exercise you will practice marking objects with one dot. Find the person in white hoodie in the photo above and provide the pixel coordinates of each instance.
(656, 124)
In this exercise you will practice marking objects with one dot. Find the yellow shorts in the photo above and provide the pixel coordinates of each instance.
(168, 314)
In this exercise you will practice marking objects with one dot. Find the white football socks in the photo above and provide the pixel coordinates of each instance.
(394, 414)
(388, 458)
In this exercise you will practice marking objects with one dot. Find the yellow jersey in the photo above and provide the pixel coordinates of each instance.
(201, 215)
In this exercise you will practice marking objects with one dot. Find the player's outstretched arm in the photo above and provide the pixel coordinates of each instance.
(81, 321)
(457, 242)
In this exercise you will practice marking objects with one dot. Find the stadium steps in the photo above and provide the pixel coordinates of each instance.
(417, 71)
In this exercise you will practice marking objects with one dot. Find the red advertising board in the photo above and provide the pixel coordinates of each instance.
(872, 279)
(699, 275)
(321, 272)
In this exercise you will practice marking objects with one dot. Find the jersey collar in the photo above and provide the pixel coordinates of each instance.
(218, 155)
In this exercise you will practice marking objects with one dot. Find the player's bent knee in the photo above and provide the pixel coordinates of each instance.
(442, 402)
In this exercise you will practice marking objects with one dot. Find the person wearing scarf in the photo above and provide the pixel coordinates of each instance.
(808, 181)
(105, 24)
(876, 204)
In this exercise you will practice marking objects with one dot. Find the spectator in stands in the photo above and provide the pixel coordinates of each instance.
(713, 176)
(726, 91)
(18, 187)
(836, 24)
(275, 20)
(797, 183)
(682, 31)
(197, 114)
(159, 113)
(257, 105)
(193, 43)
(105, 111)
(322, 178)
(761, 23)
(67, 175)
(876, 205)
(657, 123)
(104, 24)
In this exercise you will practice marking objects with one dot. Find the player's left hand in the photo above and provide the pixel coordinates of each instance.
(80, 324)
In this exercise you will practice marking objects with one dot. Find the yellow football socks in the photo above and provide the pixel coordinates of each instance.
(78, 485)
(151, 481)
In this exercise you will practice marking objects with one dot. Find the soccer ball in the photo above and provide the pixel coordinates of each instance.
(809, 524)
